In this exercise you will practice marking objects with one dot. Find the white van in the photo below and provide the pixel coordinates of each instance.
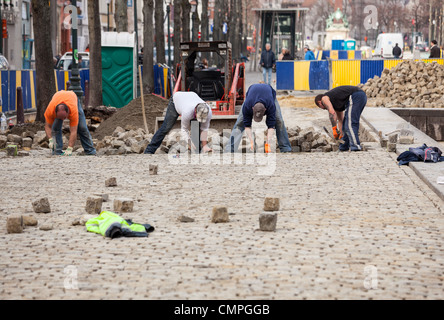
(385, 44)
(65, 61)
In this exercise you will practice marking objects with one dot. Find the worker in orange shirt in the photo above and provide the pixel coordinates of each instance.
(65, 105)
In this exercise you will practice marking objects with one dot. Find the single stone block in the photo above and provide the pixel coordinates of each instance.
(11, 150)
(183, 218)
(94, 205)
(220, 214)
(104, 196)
(3, 141)
(406, 140)
(14, 224)
(26, 142)
(393, 138)
(41, 206)
(30, 221)
(153, 169)
(383, 143)
(267, 221)
(47, 227)
(271, 204)
(391, 147)
(123, 205)
(111, 182)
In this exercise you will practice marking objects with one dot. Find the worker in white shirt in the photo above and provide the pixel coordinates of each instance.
(189, 106)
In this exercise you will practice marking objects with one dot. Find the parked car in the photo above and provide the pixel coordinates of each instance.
(4, 64)
(421, 47)
(66, 60)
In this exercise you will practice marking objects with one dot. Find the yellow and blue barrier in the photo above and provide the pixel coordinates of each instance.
(302, 75)
(325, 75)
(341, 54)
(10, 80)
(162, 85)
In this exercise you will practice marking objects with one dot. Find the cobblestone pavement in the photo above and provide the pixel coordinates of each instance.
(351, 226)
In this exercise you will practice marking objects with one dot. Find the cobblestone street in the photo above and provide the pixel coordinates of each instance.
(351, 226)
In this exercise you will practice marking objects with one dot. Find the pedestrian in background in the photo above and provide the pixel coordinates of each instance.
(268, 61)
(435, 51)
(309, 55)
(397, 52)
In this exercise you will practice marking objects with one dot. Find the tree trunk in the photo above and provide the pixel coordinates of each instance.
(186, 10)
(205, 21)
(218, 22)
(148, 54)
(95, 54)
(121, 15)
(44, 63)
(176, 37)
(160, 33)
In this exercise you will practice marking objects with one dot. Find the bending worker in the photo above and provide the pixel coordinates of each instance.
(260, 101)
(345, 105)
(189, 106)
(65, 105)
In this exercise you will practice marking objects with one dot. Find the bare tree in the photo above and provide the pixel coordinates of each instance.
(160, 33)
(186, 10)
(177, 31)
(148, 54)
(218, 19)
(44, 62)
(204, 21)
(121, 15)
(95, 52)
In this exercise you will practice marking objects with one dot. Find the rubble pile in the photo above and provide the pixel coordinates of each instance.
(410, 84)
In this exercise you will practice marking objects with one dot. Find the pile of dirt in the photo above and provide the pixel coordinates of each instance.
(29, 128)
(131, 114)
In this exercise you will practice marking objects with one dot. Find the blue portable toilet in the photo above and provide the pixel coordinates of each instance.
(338, 45)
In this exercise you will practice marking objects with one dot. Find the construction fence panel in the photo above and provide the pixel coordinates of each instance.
(302, 75)
(11, 80)
(318, 74)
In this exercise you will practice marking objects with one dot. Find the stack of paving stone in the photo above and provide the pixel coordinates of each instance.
(124, 141)
(408, 85)
(310, 140)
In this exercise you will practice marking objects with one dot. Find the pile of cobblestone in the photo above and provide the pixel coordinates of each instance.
(410, 84)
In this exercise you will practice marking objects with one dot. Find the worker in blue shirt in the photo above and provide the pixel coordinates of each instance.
(260, 101)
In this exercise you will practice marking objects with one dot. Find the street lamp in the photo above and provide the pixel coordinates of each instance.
(107, 12)
(75, 74)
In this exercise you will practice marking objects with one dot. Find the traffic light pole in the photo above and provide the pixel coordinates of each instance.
(75, 73)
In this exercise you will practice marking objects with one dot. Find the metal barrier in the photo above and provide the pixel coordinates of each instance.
(328, 74)
(10, 80)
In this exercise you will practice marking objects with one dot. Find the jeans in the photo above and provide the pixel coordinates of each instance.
(82, 131)
(170, 119)
(358, 100)
(281, 132)
(264, 73)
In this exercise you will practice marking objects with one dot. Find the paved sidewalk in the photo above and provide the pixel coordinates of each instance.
(352, 226)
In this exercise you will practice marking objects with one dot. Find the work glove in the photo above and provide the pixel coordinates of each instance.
(336, 132)
(67, 152)
(52, 144)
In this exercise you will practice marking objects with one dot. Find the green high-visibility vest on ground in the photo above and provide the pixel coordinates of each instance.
(111, 225)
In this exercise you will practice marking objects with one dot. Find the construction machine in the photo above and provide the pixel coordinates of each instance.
(207, 68)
